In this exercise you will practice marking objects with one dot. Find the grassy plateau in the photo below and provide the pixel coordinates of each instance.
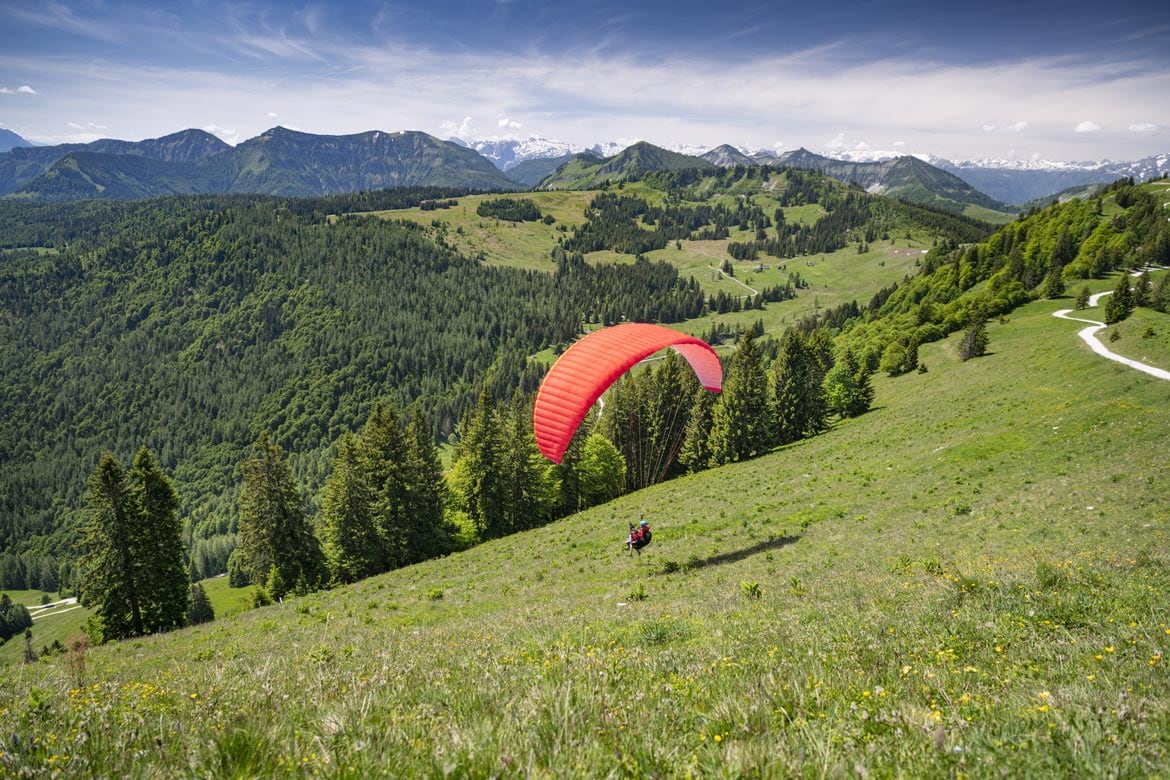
(968, 581)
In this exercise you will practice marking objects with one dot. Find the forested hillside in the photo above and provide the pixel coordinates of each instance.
(192, 325)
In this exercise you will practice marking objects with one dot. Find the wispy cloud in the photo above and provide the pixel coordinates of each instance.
(1087, 127)
(328, 85)
(23, 89)
(57, 16)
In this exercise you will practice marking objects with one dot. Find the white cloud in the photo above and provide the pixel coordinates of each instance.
(87, 126)
(899, 144)
(584, 98)
(228, 136)
(1014, 127)
(1143, 127)
(1087, 127)
(465, 130)
(272, 115)
(23, 89)
(508, 124)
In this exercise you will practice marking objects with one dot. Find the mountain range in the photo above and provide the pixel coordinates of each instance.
(277, 162)
(1013, 182)
(287, 162)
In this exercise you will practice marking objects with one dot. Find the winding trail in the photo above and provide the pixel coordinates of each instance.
(732, 278)
(1089, 336)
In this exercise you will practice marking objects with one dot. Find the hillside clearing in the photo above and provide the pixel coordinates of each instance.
(938, 587)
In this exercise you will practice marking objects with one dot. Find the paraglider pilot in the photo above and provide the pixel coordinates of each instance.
(639, 536)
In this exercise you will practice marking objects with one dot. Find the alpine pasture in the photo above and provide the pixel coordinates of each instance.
(969, 580)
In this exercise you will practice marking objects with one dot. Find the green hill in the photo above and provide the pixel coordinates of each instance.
(907, 178)
(587, 171)
(938, 587)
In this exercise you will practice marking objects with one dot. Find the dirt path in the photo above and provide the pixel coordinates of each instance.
(1089, 336)
(732, 278)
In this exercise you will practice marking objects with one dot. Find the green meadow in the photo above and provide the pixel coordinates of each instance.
(834, 278)
(970, 580)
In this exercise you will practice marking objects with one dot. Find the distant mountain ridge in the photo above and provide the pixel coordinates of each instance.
(10, 140)
(277, 162)
(905, 177)
(1017, 182)
(589, 171)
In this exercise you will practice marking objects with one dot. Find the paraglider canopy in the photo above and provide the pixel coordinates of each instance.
(590, 366)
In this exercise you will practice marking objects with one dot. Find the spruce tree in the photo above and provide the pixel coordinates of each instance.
(530, 492)
(1119, 305)
(975, 338)
(111, 569)
(277, 546)
(695, 454)
(383, 456)
(1142, 289)
(742, 422)
(427, 533)
(476, 481)
(797, 395)
(349, 532)
(1054, 284)
(160, 548)
(14, 618)
(199, 609)
(1083, 297)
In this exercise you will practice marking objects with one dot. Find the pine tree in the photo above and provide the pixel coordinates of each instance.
(695, 454)
(111, 570)
(797, 390)
(199, 610)
(974, 343)
(383, 458)
(164, 576)
(1054, 284)
(1160, 297)
(476, 482)
(742, 421)
(1142, 289)
(1119, 305)
(349, 532)
(277, 546)
(530, 491)
(14, 618)
(428, 534)
(1083, 297)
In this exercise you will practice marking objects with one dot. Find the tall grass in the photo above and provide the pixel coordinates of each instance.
(969, 580)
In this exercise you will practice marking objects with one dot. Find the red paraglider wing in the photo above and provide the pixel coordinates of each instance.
(591, 365)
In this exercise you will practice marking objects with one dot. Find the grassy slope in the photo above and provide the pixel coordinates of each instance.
(62, 624)
(835, 278)
(970, 578)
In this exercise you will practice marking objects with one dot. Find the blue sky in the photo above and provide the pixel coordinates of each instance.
(1062, 81)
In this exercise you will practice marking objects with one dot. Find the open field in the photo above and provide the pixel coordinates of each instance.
(971, 580)
(60, 622)
(834, 278)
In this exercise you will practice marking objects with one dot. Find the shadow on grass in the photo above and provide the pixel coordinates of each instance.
(669, 567)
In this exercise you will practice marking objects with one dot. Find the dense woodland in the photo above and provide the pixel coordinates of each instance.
(208, 328)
